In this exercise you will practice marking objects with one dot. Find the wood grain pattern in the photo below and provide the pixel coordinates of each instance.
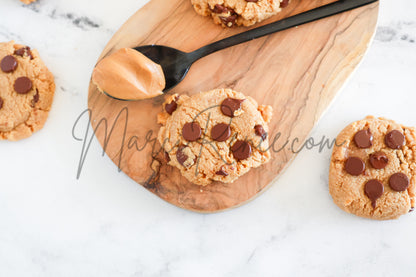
(297, 71)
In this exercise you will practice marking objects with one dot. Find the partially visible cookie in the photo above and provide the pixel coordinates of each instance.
(217, 135)
(28, 1)
(26, 91)
(373, 173)
(229, 13)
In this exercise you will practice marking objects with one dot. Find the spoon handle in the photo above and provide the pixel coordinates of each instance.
(296, 20)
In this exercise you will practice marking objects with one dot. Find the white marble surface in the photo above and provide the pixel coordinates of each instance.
(104, 224)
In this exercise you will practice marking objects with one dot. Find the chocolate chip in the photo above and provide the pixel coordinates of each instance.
(363, 139)
(241, 150)
(394, 139)
(1, 103)
(229, 21)
(180, 156)
(24, 51)
(399, 182)
(284, 3)
(221, 132)
(374, 190)
(354, 166)
(230, 105)
(171, 107)
(218, 8)
(35, 99)
(411, 209)
(8, 64)
(221, 172)
(260, 131)
(191, 131)
(36, 96)
(22, 85)
(379, 160)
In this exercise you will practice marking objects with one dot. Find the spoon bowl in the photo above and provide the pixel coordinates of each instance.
(175, 63)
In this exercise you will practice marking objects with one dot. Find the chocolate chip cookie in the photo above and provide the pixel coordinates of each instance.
(26, 91)
(217, 135)
(27, 1)
(373, 173)
(229, 13)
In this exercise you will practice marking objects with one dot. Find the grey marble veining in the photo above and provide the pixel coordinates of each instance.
(398, 30)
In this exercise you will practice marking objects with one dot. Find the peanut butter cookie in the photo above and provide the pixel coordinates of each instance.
(26, 91)
(28, 1)
(373, 174)
(229, 13)
(217, 135)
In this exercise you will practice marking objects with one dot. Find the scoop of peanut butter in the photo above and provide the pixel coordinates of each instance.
(128, 74)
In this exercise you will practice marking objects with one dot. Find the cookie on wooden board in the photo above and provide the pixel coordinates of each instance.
(229, 13)
(217, 135)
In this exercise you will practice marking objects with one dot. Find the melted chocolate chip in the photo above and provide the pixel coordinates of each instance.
(229, 21)
(171, 107)
(374, 190)
(22, 85)
(218, 8)
(230, 105)
(191, 131)
(399, 182)
(379, 160)
(259, 130)
(180, 156)
(35, 98)
(24, 51)
(221, 172)
(354, 166)
(394, 139)
(284, 3)
(411, 209)
(241, 150)
(363, 139)
(8, 64)
(1, 103)
(221, 132)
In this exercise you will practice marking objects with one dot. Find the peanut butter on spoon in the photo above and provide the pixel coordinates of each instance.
(128, 74)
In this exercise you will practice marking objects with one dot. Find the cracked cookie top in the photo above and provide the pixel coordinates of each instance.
(214, 136)
(373, 174)
(27, 1)
(229, 13)
(26, 91)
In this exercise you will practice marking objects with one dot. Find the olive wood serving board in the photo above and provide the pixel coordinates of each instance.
(297, 71)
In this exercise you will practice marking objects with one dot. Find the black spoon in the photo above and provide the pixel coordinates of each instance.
(175, 63)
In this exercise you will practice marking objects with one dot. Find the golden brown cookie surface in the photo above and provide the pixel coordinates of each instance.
(28, 1)
(217, 135)
(373, 174)
(26, 91)
(230, 13)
